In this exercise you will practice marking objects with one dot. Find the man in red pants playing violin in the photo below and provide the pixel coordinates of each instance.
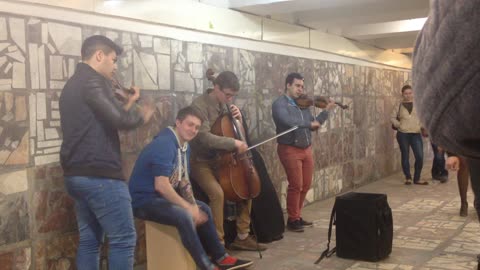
(294, 148)
(204, 158)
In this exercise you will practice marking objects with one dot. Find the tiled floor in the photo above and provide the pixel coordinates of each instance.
(428, 232)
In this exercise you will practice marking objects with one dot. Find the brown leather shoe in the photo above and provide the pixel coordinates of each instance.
(247, 244)
(424, 183)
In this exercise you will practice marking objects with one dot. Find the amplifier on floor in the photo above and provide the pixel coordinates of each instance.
(364, 227)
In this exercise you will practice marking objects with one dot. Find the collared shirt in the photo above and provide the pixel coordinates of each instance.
(291, 101)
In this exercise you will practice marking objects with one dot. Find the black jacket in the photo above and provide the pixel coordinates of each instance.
(91, 118)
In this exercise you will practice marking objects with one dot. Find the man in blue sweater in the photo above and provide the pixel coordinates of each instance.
(161, 192)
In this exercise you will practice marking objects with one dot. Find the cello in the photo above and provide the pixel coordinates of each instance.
(235, 173)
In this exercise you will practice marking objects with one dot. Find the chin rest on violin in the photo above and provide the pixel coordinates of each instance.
(304, 102)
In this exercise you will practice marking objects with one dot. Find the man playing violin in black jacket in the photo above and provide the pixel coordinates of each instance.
(90, 155)
(294, 148)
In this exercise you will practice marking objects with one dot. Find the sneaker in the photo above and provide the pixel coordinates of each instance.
(305, 223)
(294, 226)
(408, 182)
(248, 244)
(231, 263)
(421, 183)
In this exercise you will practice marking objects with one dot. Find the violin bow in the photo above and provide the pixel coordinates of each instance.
(276, 136)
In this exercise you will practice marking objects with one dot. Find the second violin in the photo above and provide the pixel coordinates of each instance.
(305, 101)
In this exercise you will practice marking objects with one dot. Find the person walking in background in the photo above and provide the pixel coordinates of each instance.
(409, 135)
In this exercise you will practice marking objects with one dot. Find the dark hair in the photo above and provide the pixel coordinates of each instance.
(291, 77)
(227, 79)
(186, 111)
(406, 87)
(98, 42)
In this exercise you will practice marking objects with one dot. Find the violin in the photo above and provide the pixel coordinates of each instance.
(121, 92)
(304, 102)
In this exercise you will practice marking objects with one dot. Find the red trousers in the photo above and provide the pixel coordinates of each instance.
(298, 165)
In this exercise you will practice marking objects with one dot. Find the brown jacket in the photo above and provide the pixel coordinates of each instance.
(205, 144)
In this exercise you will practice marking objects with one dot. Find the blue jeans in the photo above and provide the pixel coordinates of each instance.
(414, 141)
(438, 166)
(194, 239)
(103, 206)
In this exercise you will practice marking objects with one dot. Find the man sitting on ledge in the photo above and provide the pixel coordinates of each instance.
(161, 192)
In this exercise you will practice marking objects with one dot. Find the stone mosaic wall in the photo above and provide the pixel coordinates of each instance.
(37, 56)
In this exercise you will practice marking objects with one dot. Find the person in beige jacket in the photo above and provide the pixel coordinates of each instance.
(409, 135)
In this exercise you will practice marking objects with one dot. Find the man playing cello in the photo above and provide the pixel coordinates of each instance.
(211, 105)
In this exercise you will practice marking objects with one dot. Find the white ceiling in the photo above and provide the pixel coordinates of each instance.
(387, 24)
